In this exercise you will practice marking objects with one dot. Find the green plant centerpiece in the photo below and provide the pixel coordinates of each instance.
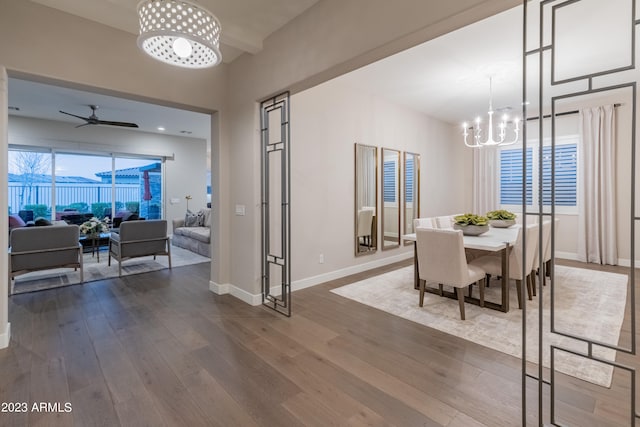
(501, 218)
(471, 224)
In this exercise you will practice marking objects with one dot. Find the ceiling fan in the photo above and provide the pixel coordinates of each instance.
(93, 119)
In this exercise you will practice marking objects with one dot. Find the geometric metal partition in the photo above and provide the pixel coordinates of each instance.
(276, 208)
(557, 35)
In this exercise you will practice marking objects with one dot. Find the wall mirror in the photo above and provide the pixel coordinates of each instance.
(366, 177)
(411, 192)
(390, 198)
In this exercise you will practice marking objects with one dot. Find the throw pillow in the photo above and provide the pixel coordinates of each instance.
(207, 217)
(16, 221)
(40, 221)
(190, 219)
(201, 218)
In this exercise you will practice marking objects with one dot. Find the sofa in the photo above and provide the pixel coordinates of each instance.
(43, 248)
(193, 232)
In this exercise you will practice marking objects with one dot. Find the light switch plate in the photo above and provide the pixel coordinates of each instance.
(240, 211)
(175, 201)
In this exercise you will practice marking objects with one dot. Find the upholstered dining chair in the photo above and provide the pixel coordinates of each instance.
(365, 220)
(424, 223)
(445, 222)
(441, 259)
(492, 264)
(546, 238)
(547, 250)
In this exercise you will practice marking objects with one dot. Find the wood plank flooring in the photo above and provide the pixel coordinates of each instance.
(159, 349)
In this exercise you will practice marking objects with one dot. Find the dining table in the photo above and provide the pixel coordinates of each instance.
(494, 240)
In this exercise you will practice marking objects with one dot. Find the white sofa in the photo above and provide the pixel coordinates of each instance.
(196, 238)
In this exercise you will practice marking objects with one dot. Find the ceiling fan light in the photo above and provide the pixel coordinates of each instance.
(166, 39)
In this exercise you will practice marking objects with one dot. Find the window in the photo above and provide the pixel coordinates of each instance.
(408, 181)
(82, 186)
(566, 164)
(389, 180)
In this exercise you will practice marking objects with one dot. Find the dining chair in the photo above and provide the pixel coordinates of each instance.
(547, 250)
(492, 264)
(424, 223)
(365, 220)
(445, 222)
(441, 259)
(546, 237)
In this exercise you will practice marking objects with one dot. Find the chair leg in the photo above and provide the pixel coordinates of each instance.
(481, 285)
(460, 293)
(169, 254)
(471, 290)
(487, 279)
(518, 290)
(441, 289)
(533, 283)
(527, 281)
(422, 285)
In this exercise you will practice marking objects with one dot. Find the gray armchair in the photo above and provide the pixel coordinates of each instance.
(138, 239)
(44, 248)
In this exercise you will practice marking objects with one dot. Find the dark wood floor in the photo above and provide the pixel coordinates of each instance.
(160, 349)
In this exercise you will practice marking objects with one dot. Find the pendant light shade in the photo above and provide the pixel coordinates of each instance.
(180, 33)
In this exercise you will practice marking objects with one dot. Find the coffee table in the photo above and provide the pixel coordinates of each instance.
(94, 243)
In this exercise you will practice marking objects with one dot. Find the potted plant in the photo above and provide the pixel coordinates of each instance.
(471, 224)
(501, 218)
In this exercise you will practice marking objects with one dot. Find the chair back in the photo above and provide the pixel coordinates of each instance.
(140, 237)
(365, 219)
(441, 257)
(547, 244)
(424, 223)
(516, 260)
(444, 222)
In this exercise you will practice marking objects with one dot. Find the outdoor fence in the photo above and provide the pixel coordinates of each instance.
(68, 194)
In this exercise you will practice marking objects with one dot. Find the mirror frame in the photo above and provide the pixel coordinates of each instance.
(374, 237)
(398, 153)
(416, 184)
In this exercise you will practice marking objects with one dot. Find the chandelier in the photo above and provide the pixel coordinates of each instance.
(180, 33)
(483, 138)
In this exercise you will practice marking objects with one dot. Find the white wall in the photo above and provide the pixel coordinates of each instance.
(185, 174)
(326, 122)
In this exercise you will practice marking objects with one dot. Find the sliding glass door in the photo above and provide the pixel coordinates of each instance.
(73, 187)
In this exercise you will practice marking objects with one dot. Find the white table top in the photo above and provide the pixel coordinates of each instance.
(493, 240)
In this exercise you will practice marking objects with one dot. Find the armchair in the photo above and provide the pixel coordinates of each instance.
(44, 248)
(138, 239)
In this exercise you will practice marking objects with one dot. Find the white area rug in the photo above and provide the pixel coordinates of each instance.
(94, 270)
(587, 303)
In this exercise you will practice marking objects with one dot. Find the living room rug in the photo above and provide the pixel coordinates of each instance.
(588, 303)
(94, 270)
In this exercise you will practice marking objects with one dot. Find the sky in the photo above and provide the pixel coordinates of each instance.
(75, 164)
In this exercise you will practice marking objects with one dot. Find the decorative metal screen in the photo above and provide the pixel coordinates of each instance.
(566, 65)
(276, 209)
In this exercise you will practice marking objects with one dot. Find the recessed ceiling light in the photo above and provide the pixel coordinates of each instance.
(186, 132)
(12, 108)
(161, 129)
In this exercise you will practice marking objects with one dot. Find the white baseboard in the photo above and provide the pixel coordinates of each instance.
(623, 262)
(337, 274)
(567, 255)
(5, 336)
(241, 294)
(251, 299)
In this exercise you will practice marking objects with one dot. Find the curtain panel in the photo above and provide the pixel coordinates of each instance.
(597, 242)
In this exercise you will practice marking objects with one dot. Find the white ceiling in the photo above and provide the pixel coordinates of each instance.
(446, 78)
(245, 23)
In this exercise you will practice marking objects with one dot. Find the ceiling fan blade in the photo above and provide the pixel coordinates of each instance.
(121, 124)
(82, 125)
(69, 114)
